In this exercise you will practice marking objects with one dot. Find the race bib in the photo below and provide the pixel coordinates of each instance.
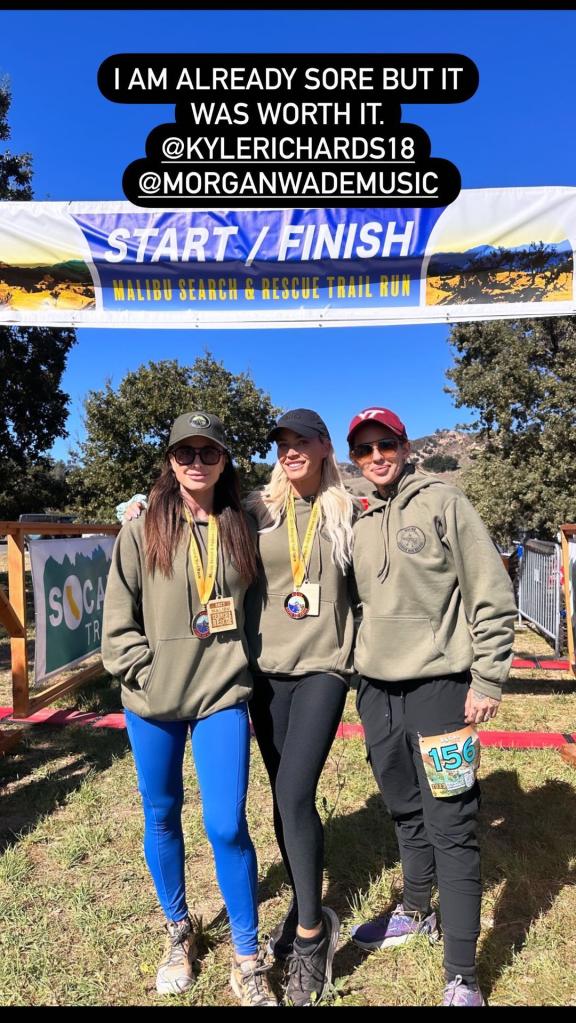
(451, 761)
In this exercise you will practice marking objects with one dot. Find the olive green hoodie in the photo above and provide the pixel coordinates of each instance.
(279, 644)
(168, 673)
(435, 596)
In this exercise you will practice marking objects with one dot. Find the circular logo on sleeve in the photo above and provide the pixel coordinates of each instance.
(411, 540)
(199, 420)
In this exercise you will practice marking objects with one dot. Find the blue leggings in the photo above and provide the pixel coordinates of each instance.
(221, 749)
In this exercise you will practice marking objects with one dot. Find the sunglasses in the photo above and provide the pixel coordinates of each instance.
(363, 452)
(186, 455)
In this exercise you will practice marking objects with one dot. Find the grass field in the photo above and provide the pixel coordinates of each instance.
(80, 923)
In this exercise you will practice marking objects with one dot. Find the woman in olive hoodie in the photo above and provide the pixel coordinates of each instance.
(433, 651)
(174, 632)
(300, 632)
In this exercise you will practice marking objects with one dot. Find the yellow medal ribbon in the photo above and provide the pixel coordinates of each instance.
(204, 581)
(299, 560)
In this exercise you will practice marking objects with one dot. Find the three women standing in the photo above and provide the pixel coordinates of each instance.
(433, 650)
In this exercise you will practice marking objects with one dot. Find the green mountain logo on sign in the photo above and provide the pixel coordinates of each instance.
(74, 595)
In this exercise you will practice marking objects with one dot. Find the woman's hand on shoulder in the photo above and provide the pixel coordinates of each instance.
(133, 511)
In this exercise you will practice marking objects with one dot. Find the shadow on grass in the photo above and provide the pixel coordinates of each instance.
(358, 847)
(528, 841)
(53, 762)
(517, 685)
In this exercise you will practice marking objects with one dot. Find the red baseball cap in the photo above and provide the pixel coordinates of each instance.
(378, 415)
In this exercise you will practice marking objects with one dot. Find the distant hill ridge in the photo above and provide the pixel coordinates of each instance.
(455, 443)
(499, 257)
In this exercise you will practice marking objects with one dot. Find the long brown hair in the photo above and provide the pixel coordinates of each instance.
(164, 523)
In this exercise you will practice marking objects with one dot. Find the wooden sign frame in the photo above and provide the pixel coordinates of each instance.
(13, 613)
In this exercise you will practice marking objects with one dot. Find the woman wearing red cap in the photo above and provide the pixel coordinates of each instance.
(433, 651)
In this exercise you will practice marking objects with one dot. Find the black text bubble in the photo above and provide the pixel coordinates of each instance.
(261, 129)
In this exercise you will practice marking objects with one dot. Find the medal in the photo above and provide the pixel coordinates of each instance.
(201, 624)
(296, 605)
(221, 614)
(216, 615)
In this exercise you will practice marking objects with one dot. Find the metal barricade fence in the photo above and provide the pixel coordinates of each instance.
(540, 586)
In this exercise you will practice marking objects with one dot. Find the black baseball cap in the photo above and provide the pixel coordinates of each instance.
(303, 421)
(198, 424)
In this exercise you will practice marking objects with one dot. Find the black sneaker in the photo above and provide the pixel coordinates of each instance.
(310, 971)
(282, 938)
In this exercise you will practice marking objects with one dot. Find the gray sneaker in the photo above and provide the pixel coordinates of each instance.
(282, 937)
(175, 973)
(249, 983)
(310, 972)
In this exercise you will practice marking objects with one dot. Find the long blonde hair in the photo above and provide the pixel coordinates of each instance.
(337, 506)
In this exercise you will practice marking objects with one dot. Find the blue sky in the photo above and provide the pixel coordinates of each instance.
(519, 129)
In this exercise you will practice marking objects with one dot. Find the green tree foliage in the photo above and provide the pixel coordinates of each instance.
(33, 408)
(15, 171)
(519, 376)
(440, 463)
(41, 487)
(127, 429)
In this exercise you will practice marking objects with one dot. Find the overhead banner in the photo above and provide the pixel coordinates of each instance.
(69, 578)
(493, 253)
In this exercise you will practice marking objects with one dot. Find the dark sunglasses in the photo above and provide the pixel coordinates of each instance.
(186, 455)
(361, 452)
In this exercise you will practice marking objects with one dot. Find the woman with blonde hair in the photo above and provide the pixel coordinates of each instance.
(300, 631)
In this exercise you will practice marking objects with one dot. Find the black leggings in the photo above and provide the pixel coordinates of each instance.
(295, 721)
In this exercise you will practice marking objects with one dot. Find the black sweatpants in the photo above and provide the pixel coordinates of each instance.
(295, 720)
(434, 835)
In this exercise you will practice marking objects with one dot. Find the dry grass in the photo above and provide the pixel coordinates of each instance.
(80, 920)
(81, 925)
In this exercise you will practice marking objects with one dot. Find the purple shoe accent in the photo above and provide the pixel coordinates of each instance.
(457, 992)
(395, 928)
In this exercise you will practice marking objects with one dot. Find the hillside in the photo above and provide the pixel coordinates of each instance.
(458, 445)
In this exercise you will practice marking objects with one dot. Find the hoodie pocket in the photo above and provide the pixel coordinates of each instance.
(174, 669)
(395, 647)
(144, 684)
(188, 674)
(284, 644)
